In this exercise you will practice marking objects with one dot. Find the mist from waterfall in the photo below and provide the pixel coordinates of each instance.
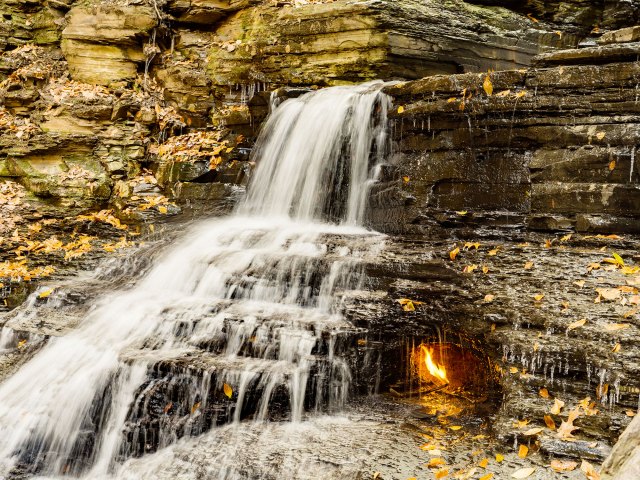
(250, 302)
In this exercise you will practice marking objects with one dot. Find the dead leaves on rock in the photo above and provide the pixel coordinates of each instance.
(561, 466)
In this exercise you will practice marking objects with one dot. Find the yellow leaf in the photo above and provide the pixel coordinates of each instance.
(195, 407)
(441, 473)
(494, 252)
(538, 297)
(551, 425)
(521, 423)
(563, 465)
(612, 165)
(522, 451)
(400, 109)
(470, 245)
(579, 283)
(616, 348)
(513, 369)
(436, 462)
(523, 473)
(162, 209)
(451, 100)
(499, 457)
(406, 179)
(521, 94)
(600, 135)
(630, 270)
(589, 471)
(470, 268)
(489, 298)
(484, 463)
(630, 413)
(487, 86)
(485, 269)
(532, 431)
(576, 324)
(544, 393)
(488, 476)
(528, 265)
(46, 293)
(566, 238)
(461, 213)
(454, 253)
(21, 343)
(455, 428)
(228, 391)
(503, 93)
(618, 259)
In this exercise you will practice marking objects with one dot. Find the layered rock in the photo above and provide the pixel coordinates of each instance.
(104, 44)
(555, 147)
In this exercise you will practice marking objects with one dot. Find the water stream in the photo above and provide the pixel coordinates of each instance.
(237, 323)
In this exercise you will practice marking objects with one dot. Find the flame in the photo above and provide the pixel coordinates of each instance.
(438, 371)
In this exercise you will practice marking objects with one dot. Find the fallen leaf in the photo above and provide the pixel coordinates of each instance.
(195, 407)
(533, 431)
(455, 428)
(470, 268)
(494, 252)
(528, 265)
(168, 407)
(566, 238)
(21, 343)
(454, 253)
(487, 86)
(551, 425)
(563, 465)
(566, 428)
(485, 269)
(436, 462)
(600, 135)
(470, 245)
(461, 213)
(489, 298)
(544, 393)
(589, 471)
(557, 407)
(488, 476)
(46, 293)
(612, 165)
(609, 293)
(576, 324)
(406, 179)
(521, 423)
(538, 297)
(400, 109)
(228, 391)
(523, 451)
(579, 283)
(630, 413)
(523, 473)
(499, 457)
(613, 327)
(484, 463)
(513, 369)
(616, 348)
(441, 473)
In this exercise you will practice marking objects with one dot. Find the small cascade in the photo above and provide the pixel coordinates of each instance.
(240, 319)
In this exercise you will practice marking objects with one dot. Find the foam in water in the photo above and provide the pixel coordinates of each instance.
(251, 301)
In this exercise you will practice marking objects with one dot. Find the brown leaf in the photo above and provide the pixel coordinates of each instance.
(609, 293)
(563, 465)
(589, 471)
(532, 431)
(544, 393)
(551, 425)
(614, 327)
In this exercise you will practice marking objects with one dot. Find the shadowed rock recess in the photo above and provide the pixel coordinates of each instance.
(514, 131)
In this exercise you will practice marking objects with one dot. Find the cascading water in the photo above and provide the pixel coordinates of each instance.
(240, 319)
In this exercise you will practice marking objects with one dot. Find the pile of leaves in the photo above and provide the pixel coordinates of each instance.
(196, 146)
(20, 127)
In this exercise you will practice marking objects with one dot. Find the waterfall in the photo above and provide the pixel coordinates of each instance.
(240, 318)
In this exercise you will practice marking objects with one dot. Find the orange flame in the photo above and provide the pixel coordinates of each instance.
(438, 371)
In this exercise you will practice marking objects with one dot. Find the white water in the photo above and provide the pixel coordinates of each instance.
(247, 301)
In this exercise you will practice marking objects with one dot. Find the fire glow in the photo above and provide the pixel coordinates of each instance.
(438, 371)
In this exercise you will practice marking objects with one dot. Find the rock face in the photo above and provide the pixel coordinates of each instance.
(345, 41)
(554, 146)
(103, 44)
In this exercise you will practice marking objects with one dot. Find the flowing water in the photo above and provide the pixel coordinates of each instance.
(236, 324)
